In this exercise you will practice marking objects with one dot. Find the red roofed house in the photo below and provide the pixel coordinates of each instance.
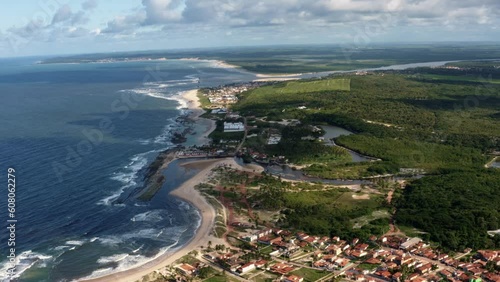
(373, 261)
(358, 254)
(361, 247)
(334, 249)
(384, 274)
(397, 276)
(294, 278)
(260, 263)
(310, 240)
(424, 269)
(488, 255)
(281, 268)
(186, 269)
(490, 277)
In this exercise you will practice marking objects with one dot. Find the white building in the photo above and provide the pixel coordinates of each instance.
(234, 127)
(274, 139)
(219, 111)
(410, 243)
(246, 268)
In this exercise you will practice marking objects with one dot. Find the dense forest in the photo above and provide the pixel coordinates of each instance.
(304, 151)
(456, 209)
(445, 122)
(399, 117)
(328, 212)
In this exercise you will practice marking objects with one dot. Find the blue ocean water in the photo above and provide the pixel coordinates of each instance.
(80, 137)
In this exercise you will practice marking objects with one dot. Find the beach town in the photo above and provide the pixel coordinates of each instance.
(233, 245)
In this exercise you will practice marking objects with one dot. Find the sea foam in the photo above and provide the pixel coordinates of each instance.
(25, 261)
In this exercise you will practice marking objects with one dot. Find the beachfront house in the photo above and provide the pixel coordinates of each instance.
(187, 269)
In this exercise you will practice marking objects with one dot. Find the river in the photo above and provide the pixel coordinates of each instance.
(332, 132)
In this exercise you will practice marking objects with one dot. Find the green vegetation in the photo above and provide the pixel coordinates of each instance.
(307, 152)
(351, 170)
(330, 58)
(310, 275)
(291, 95)
(205, 103)
(218, 135)
(411, 153)
(456, 209)
(265, 277)
(294, 87)
(312, 58)
(330, 213)
(380, 217)
(220, 278)
(367, 266)
(406, 121)
(478, 63)
(445, 122)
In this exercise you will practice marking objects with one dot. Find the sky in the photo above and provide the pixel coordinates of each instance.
(57, 27)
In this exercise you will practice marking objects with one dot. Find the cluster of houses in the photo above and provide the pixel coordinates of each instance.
(389, 258)
(227, 95)
(234, 263)
(425, 264)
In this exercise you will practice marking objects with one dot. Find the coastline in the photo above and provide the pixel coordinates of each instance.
(185, 192)
(192, 101)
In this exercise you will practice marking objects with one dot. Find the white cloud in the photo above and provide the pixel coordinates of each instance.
(63, 14)
(320, 20)
(89, 5)
(66, 16)
(162, 11)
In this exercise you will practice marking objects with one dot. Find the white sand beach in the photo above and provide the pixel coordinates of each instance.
(187, 193)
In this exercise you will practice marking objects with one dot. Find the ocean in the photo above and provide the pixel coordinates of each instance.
(80, 137)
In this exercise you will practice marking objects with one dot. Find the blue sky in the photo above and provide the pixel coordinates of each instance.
(47, 27)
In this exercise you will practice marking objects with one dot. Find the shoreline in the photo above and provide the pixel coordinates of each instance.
(194, 105)
(185, 192)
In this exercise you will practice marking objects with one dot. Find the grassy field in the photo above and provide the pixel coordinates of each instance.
(205, 103)
(363, 220)
(265, 277)
(342, 84)
(220, 278)
(338, 171)
(348, 200)
(344, 200)
(294, 93)
(410, 231)
(310, 275)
